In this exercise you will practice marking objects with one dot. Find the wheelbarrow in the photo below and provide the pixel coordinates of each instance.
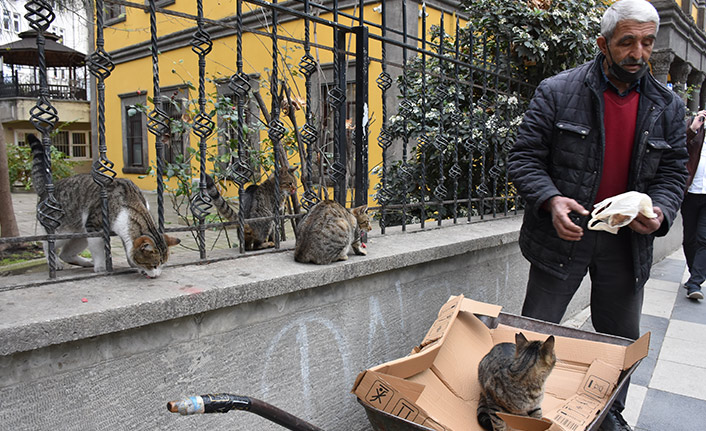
(380, 420)
(223, 403)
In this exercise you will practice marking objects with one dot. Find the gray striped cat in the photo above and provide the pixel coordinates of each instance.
(145, 247)
(329, 231)
(259, 201)
(512, 378)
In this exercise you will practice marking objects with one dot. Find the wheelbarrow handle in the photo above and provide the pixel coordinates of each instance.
(222, 403)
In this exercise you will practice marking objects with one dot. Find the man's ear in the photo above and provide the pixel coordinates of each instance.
(602, 43)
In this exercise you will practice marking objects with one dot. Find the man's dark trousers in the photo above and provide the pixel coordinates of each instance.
(693, 211)
(615, 303)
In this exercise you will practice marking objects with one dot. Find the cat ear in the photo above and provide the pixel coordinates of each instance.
(361, 209)
(548, 345)
(293, 168)
(171, 240)
(520, 340)
(143, 243)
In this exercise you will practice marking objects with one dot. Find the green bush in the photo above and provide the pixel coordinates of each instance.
(544, 37)
(19, 161)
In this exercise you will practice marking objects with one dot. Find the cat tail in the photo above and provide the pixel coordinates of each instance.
(224, 209)
(40, 165)
(483, 414)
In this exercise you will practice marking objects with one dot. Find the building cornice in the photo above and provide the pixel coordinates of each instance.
(251, 21)
(672, 18)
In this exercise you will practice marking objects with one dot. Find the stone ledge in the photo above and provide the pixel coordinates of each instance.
(41, 316)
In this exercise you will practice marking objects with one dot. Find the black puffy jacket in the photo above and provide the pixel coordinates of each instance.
(559, 151)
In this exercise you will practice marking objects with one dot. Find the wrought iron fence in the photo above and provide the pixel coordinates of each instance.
(443, 110)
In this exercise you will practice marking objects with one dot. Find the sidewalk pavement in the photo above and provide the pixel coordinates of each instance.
(668, 389)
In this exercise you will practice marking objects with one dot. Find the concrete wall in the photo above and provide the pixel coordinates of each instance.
(296, 336)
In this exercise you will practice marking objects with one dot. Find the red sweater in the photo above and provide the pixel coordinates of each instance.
(619, 121)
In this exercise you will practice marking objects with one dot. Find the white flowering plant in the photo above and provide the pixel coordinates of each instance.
(460, 108)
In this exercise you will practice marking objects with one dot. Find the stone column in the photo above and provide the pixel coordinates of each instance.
(695, 79)
(679, 74)
(661, 61)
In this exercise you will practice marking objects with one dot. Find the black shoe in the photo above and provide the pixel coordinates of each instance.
(694, 292)
(614, 421)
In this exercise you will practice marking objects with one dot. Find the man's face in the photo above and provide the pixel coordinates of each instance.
(631, 44)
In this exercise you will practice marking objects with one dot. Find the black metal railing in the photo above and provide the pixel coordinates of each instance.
(443, 107)
(56, 91)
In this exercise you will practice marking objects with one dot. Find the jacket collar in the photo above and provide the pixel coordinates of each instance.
(648, 86)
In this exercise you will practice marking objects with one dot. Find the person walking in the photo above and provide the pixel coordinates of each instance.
(693, 209)
(592, 132)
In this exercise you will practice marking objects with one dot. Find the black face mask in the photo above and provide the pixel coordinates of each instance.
(623, 75)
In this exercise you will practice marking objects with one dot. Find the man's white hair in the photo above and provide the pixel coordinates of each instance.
(635, 10)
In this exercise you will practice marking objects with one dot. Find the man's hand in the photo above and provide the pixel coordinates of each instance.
(644, 225)
(560, 207)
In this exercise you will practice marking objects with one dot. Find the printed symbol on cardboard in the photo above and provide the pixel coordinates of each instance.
(597, 386)
(566, 421)
(405, 410)
(379, 395)
(582, 406)
(431, 423)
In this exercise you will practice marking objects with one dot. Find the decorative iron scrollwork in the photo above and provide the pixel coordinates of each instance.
(100, 63)
(277, 130)
(240, 84)
(201, 203)
(103, 172)
(336, 96)
(49, 213)
(384, 81)
(384, 139)
(203, 126)
(455, 171)
(158, 122)
(39, 14)
(43, 115)
(239, 172)
(307, 65)
(201, 42)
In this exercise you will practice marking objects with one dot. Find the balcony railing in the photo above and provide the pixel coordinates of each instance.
(57, 92)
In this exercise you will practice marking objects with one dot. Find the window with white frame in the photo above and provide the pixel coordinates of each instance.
(59, 32)
(76, 144)
(6, 20)
(16, 22)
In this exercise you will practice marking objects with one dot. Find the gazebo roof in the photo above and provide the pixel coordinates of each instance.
(24, 52)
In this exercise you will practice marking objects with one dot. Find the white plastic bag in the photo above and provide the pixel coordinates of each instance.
(615, 212)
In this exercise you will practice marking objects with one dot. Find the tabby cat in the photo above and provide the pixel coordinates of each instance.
(259, 201)
(512, 378)
(146, 249)
(329, 231)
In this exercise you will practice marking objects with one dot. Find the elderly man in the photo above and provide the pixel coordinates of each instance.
(593, 132)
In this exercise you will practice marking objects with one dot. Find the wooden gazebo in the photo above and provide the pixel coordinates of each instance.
(24, 53)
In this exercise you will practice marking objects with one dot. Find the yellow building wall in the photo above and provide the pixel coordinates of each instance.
(178, 66)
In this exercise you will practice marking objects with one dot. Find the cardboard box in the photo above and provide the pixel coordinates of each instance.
(436, 386)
